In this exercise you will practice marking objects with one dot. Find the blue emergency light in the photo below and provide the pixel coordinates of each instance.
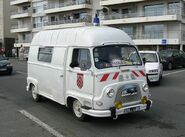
(96, 21)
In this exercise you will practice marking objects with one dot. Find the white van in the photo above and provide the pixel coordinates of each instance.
(153, 66)
(89, 70)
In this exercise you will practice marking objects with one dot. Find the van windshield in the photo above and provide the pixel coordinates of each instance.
(150, 57)
(115, 56)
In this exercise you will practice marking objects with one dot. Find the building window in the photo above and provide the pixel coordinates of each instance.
(45, 54)
(153, 31)
(38, 7)
(131, 31)
(154, 10)
(38, 22)
(174, 8)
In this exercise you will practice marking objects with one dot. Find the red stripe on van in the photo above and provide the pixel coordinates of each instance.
(115, 76)
(135, 73)
(105, 77)
(142, 73)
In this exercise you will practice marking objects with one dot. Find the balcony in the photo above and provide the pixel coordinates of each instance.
(68, 6)
(116, 18)
(157, 38)
(21, 28)
(114, 2)
(68, 23)
(21, 14)
(26, 40)
(18, 2)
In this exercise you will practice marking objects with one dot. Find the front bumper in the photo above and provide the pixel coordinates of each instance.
(153, 77)
(113, 112)
(6, 69)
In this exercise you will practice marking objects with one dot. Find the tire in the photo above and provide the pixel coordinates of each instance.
(9, 72)
(158, 82)
(77, 110)
(170, 66)
(183, 66)
(161, 77)
(36, 97)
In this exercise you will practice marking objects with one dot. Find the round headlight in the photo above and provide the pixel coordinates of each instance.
(110, 93)
(145, 87)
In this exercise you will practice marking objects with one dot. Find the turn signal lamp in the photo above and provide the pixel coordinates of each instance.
(144, 100)
(118, 104)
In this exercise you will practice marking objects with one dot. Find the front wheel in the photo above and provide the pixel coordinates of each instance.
(77, 110)
(158, 82)
(36, 97)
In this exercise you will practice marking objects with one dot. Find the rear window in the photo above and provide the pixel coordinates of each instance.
(165, 53)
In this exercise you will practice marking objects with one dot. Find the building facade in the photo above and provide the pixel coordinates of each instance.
(7, 39)
(153, 24)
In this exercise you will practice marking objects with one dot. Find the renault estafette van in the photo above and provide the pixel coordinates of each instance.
(89, 70)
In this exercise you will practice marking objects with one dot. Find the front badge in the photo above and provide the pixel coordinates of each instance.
(79, 80)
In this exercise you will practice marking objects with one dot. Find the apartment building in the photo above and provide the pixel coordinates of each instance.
(6, 38)
(33, 16)
(153, 24)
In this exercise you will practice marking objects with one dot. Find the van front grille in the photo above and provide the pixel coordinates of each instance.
(128, 94)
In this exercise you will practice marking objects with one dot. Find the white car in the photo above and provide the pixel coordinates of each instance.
(153, 66)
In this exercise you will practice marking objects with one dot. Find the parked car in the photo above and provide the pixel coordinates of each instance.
(5, 65)
(172, 58)
(153, 66)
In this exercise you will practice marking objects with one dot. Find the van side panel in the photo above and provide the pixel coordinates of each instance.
(58, 76)
(50, 76)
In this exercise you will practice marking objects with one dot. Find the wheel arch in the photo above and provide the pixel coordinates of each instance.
(31, 82)
(70, 99)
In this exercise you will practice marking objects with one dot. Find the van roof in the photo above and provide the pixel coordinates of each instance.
(82, 36)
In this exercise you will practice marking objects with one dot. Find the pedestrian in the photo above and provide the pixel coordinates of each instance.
(13, 52)
(21, 52)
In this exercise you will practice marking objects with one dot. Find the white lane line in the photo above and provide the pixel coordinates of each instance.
(173, 72)
(41, 124)
(20, 72)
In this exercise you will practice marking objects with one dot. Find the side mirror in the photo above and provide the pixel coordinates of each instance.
(144, 61)
(84, 65)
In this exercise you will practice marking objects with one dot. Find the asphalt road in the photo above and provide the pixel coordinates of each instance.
(49, 119)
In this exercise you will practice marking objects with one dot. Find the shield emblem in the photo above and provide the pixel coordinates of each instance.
(79, 80)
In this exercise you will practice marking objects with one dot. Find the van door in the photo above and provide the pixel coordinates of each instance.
(79, 77)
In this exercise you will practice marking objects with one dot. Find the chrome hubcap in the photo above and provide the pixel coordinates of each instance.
(34, 94)
(77, 108)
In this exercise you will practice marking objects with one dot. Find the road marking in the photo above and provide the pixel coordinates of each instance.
(173, 72)
(41, 124)
(21, 72)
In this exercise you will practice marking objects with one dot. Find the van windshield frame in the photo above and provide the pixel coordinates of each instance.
(115, 55)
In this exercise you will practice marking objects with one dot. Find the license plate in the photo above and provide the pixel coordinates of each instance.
(133, 109)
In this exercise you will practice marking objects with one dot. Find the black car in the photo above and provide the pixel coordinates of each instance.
(5, 65)
(172, 58)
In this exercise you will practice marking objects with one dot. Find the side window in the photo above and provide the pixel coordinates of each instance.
(182, 53)
(81, 56)
(176, 53)
(45, 54)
